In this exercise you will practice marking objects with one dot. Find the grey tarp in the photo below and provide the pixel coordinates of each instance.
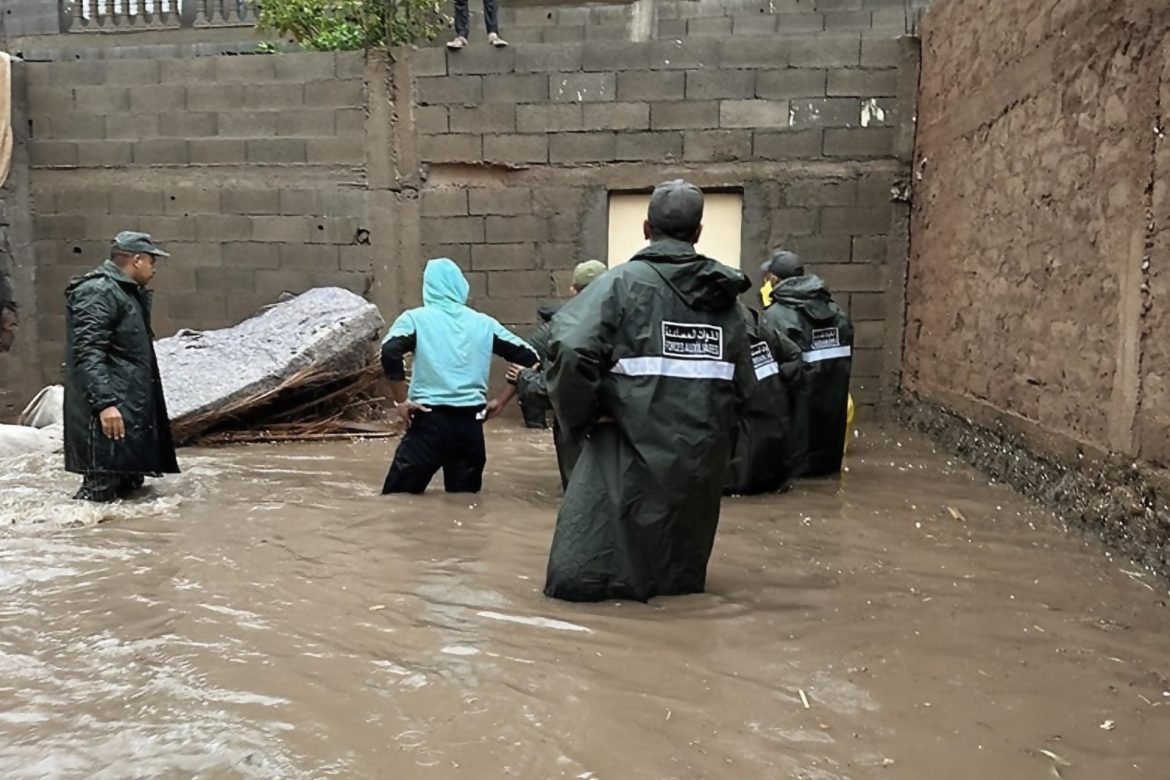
(648, 365)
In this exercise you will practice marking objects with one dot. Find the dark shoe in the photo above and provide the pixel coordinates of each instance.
(128, 486)
(98, 495)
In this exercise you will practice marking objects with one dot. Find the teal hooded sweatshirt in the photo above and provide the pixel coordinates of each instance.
(452, 343)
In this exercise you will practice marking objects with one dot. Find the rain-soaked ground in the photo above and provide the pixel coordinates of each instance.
(266, 615)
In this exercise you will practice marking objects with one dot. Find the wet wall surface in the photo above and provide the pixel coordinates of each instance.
(267, 615)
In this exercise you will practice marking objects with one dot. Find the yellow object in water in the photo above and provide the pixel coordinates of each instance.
(766, 294)
(848, 422)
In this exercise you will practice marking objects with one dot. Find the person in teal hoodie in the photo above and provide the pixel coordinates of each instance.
(446, 404)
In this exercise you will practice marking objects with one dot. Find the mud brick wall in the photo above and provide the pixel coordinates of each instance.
(1039, 295)
(249, 169)
(521, 150)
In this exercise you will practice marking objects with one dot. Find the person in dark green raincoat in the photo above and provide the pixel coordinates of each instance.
(530, 382)
(761, 453)
(803, 310)
(117, 431)
(648, 368)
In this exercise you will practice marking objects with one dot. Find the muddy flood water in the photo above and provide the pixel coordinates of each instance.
(267, 615)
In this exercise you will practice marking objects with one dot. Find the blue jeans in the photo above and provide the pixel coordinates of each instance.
(462, 19)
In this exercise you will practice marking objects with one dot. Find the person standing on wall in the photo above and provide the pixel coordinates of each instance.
(803, 309)
(530, 382)
(117, 430)
(463, 24)
(447, 403)
(648, 368)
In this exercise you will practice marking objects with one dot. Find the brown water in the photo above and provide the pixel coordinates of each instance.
(266, 615)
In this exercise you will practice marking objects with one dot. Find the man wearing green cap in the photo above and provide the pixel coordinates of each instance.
(530, 382)
(117, 431)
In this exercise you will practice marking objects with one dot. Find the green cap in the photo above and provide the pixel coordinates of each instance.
(586, 272)
(130, 241)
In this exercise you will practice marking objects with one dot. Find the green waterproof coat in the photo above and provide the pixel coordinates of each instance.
(532, 389)
(109, 361)
(648, 367)
(761, 453)
(803, 310)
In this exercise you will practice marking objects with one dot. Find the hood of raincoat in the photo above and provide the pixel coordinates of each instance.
(807, 293)
(700, 281)
(548, 311)
(444, 284)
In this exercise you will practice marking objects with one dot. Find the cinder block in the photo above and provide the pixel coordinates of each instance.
(616, 56)
(519, 284)
(874, 189)
(290, 230)
(488, 118)
(299, 201)
(306, 122)
(880, 53)
(342, 202)
(826, 191)
(103, 154)
(672, 28)
(444, 202)
(754, 52)
(284, 280)
(788, 223)
(466, 90)
(753, 24)
(821, 249)
(582, 87)
(582, 147)
(477, 60)
(65, 227)
(74, 126)
(238, 200)
(788, 24)
(136, 202)
(827, 51)
(351, 65)
(685, 54)
(157, 98)
(428, 61)
(869, 334)
(273, 96)
(516, 229)
(719, 26)
(336, 151)
(651, 85)
(222, 227)
(825, 112)
(616, 116)
(859, 143)
(717, 145)
(212, 97)
(84, 200)
(856, 221)
(662, 146)
(277, 150)
(720, 84)
(518, 313)
(335, 94)
(871, 249)
(217, 151)
(790, 83)
(787, 145)
(131, 73)
(595, 34)
(684, 115)
(161, 151)
(187, 125)
(248, 124)
(350, 121)
(549, 118)
(452, 148)
(867, 306)
(516, 148)
(249, 68)
(187, 70)
(305, 66)
(466, 230)
(335, 230)
(548, 58)
(497, 257)
(80, 74)
(863, 82)
(753, 113)
(49, 100)
(506, 201)
(316, 257)
(514, 88)
(178, 229)
(572, 34)
(356, 258)
(250, 254)
(836, 6)
(187, 201)
(851, 277)
(102, 100)
(431, 120)
(459, 253)
(848, 20)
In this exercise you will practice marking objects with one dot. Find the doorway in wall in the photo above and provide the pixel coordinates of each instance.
(722, 223)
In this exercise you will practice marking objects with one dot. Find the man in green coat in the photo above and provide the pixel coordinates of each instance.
(647, 368)
(117, 431)
(530, 382)
(803, 310)
(761, 453)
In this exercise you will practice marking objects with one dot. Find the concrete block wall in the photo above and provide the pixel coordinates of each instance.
(523, 147)
(250, 169)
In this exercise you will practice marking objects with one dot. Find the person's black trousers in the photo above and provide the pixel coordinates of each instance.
(447, 438)
(462, 18)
